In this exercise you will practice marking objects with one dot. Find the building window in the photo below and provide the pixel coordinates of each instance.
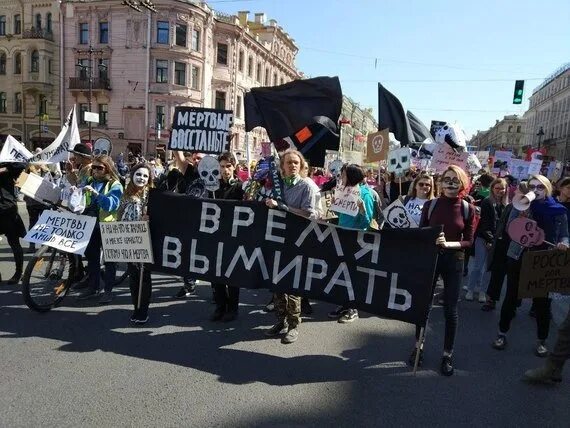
(2, 63)
(82, 109)
(49, 66)
(103, 33)
(518, 129)
(17, 24)
(18, 63)
(35, 62)
(103, 68)
(222, 54)
(266, 81)
(220, 103)
(240, 61)
(196, 39)
(48, 22)
(162, 32)
(238, 106)
(42, 105)
(83, 33)
(180, 73)
(18, 102)
(103, 112)
(195, 84)
(2, 25)
(2, 102)
(274, 79)
(181, 31)
(510, 128)
(82, 67)
(258, 72)
(38, 21)
(250, 67)
(160, 117)
(161, 71)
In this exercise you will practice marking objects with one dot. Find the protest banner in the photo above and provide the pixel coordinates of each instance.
(326, 205)
(502, 162)
(444, 155)
(352, 157)
(544, 272)
(398, 217)
(377, 145)
(63, 231)
(245, 244)
(519, 169)
(483, 156)
(535, 167)
(58, 150)
(345, 200)
(473, 164)
(126, 242)
(39, 188)
(201, 130)
(14, 151)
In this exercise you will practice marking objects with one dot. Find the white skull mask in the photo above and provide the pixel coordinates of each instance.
(102, 146)
(399, 160)
(209, 171)
(335, 167)
(452, 135)
(398, 217)
(141, 177)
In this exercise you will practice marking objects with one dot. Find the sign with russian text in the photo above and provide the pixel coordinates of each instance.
(326, 205)
(201, 130)
(544, 272)
(63, 231)
(126, 242)
(444, 155)
(245, 244)
(14, 151)
(345, 200)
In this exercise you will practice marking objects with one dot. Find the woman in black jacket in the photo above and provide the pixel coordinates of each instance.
(491, 209)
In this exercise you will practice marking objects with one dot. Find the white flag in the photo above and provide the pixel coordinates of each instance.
(14, 151)
(68, 137)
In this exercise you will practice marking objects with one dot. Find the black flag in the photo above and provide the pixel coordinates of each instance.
(285, 109)
(392, 115)
(419, 130)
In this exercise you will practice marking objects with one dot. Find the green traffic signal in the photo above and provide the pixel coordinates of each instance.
(519, 89)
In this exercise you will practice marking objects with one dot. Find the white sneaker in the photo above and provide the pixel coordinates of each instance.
(469, 296)
(482, 297)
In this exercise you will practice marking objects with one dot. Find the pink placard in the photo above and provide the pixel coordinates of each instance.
(525, 231)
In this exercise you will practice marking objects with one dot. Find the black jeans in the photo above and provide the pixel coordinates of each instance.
(134, 279)
(226, 297)
(541, 304)
(450, 268)
(498, 269)
(93, 255)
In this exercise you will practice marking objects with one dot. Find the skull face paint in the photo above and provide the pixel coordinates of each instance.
(451, 184)
(538, 188)
(209, 172)
(141, 177)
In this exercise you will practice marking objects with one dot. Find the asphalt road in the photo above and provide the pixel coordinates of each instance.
(86, 365)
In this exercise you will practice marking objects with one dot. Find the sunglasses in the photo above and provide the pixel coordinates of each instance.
(98, 167)
(424, 185)
(536, 187)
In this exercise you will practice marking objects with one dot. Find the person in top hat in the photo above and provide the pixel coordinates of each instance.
(78, 168)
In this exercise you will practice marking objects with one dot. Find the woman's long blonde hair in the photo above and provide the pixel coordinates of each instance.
(111, 173)
(423, 176)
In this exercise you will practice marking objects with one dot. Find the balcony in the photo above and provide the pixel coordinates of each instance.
(32, 33)
(82, 84)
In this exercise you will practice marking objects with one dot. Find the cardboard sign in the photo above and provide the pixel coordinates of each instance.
(519, 169)
(326, 205)
(39, 188)
(399, 161)
(345, 200)
(502, 161)
(444, 155)
(543, 272)
(525, 231)
(126, 242)
(201, 130)
(377, 146)
(63, 231)
(398, 217)
(14, 151)
(535, 167)
(352, 157)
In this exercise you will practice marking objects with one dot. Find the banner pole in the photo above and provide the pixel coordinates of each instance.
(419, 344)
(140, 287)
(400, 184)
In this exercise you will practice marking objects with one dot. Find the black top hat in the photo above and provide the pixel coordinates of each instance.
(81, 150)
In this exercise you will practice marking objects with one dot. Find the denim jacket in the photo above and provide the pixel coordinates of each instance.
(559, 233)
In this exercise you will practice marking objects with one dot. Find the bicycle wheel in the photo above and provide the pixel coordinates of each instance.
(47, 278)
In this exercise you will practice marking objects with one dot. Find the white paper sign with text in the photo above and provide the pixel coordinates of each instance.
(14, 151)
(63, 231)
(444, 155)
(126, 242)
(398, 217)
(345, 200)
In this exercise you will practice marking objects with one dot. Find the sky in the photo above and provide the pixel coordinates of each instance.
(455, 61)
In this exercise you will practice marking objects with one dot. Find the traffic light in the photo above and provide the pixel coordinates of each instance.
(518, 96)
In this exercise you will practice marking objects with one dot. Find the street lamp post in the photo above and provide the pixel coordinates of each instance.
(539, 134)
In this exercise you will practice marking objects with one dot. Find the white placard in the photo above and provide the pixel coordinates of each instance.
(519, 169)
(41, 189)
(66, 232)
(126, 242)
(345, 200)
(398, 217)
(14, 151)
(535, 167)
(483, 157)
(352, 157)
(444, 155)
(326, 205)
(503, 160)
(91, 117)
